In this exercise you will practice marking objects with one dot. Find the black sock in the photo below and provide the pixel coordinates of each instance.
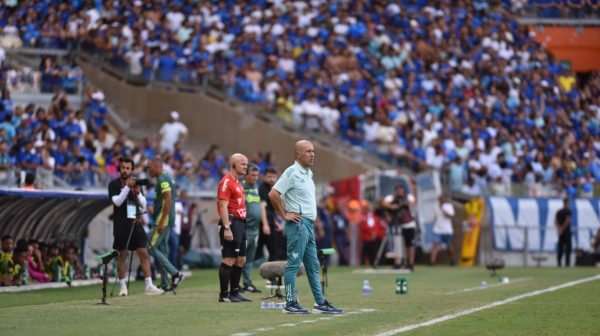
(236, 274)
(224, 277)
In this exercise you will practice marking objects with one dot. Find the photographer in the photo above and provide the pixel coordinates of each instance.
(128, 203)
(399, 206)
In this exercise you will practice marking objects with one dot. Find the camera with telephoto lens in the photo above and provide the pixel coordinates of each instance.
(142, 182)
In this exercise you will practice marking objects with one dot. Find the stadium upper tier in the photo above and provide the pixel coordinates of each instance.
(443, 84)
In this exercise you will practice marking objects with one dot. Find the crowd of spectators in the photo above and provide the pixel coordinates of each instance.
(81, 148)
(27, 262)
(453, 85)
(557, 8)
(52, 74)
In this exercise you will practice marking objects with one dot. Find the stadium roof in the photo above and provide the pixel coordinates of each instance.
(49, 215)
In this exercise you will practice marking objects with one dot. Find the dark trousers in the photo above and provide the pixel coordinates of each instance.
(369, 251)
(564, 247)
(276, 245)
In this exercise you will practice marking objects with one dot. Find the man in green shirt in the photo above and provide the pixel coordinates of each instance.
(299, 210)
(6, 261)
(164, 219)
(21, 270)
(255, 219)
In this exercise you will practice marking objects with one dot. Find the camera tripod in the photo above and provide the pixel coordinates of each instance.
(398, 245)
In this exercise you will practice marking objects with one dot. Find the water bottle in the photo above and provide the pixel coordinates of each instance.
(279, 305)
(264, 305)
(86, 272)
(366, 289)
(403, 285)
(58, 274)
(484, 284)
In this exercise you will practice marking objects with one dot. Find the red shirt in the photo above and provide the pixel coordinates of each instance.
(371, 228)
(231, 190)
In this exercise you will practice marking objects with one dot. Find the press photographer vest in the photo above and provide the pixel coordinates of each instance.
(403, 215)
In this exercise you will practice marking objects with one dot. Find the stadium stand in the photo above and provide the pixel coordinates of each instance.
(459, 86)
(415, 83)
(454, 86)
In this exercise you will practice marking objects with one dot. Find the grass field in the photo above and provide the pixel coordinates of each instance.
(433, 292)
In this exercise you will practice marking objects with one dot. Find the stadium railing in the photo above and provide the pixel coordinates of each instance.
(213, 87)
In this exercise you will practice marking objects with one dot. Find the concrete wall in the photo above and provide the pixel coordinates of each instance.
(211, 121)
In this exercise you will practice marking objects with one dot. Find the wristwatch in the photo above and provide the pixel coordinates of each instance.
(226, 227)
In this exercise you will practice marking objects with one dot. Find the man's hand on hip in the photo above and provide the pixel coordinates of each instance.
(292, 217)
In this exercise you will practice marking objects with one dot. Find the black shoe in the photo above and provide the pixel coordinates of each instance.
(294, 308)
(239, 297)
(251, 289)
(326, 308)
(227, 298)
(177, 279)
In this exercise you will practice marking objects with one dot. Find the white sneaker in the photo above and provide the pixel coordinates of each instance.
(123, 291)
(152, 290)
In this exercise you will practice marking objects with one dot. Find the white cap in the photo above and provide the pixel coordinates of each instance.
(98, 95)
(39, 143)
(174, 115)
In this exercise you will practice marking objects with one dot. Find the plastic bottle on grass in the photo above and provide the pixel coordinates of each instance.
(401, 285)
(366, 289)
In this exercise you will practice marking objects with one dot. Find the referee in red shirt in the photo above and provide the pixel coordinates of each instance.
(232, 233)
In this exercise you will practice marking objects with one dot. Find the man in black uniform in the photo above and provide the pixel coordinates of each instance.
(128, 203)
(563, 228)
(271, 235)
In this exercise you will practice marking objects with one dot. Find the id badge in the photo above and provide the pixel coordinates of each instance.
(131, 210)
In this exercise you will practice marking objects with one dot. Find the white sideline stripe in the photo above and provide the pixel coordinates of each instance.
(288, 325)
(488, 306)
(381, 271)
(264, 329)
(291, 325)
(492, 285)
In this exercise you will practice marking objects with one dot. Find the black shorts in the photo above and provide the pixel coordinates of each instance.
(185, 239)
(409, 236)
(237, 246)
(121, 234)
